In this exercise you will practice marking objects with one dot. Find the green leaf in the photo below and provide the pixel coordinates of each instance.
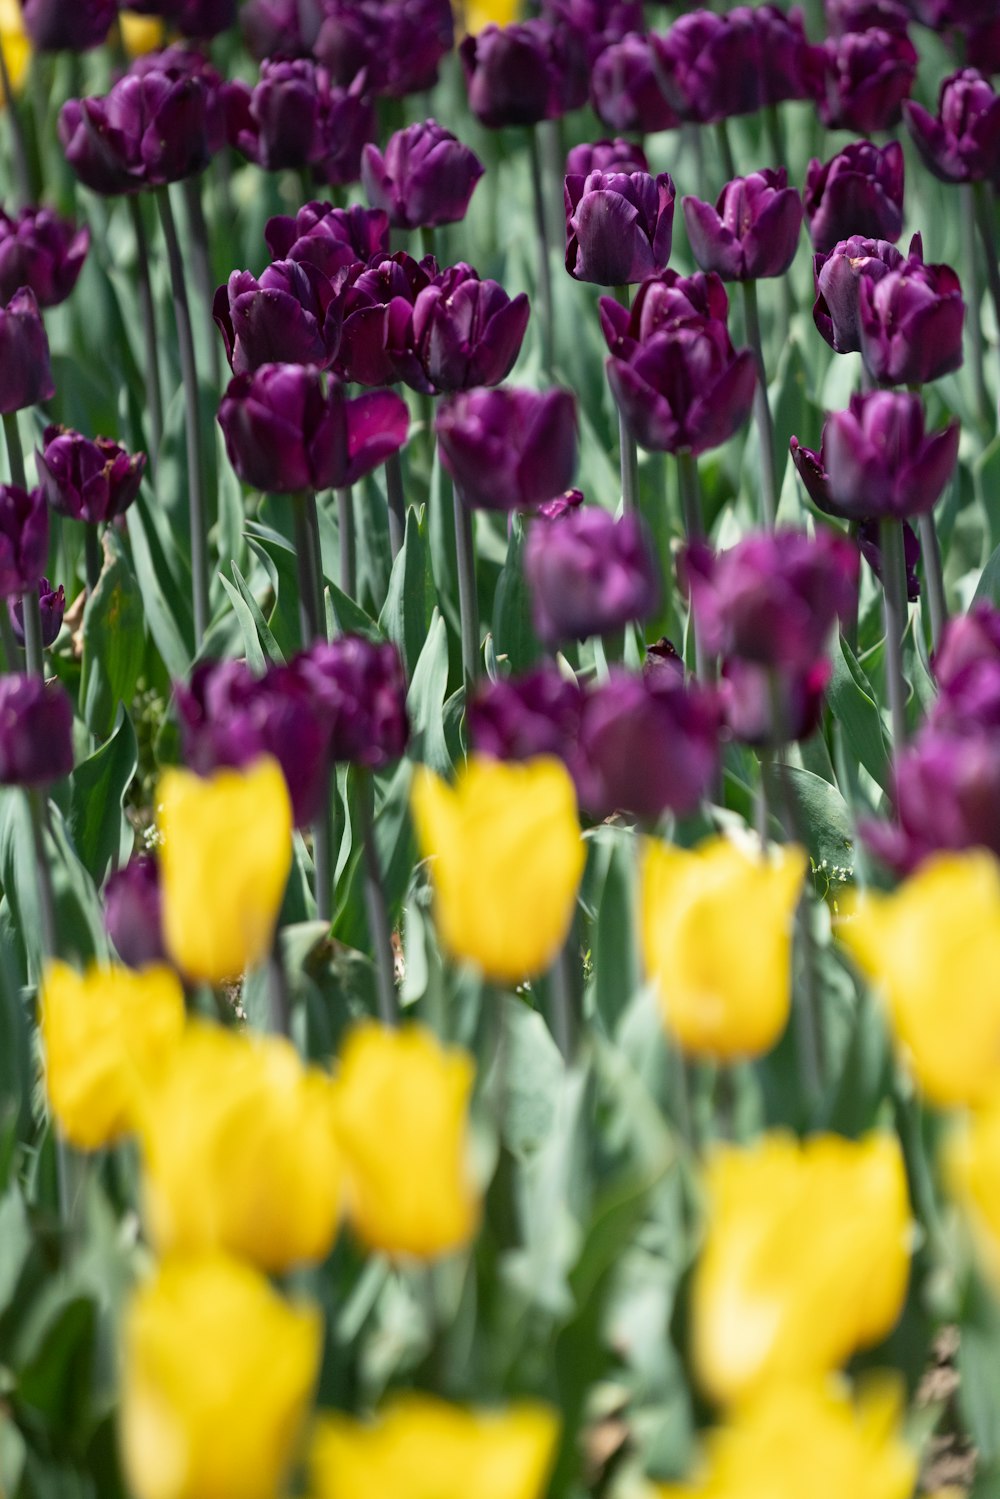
(425, 700)
(97, 796)
(167, 605)
(114, 640)
(251, 640)
(852, 703)
(15, 1243)
(614, 939)
(822, 819)
(513, 634)
(409, 605)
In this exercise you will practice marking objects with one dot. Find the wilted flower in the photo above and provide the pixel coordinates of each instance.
(520, 74)
(880, 462)
(25, 371)
(24, 539)
(51, 608)
(133, 912)
(290, 316)
(41, 251)
(753, 230)
(619, 227)
(869, 74)
(685, 391)
(624, 91)
(88, 479)
(508, 449)
(859, 191)
(589, 575)
(36, 731)
(424, 178)
(962, 144)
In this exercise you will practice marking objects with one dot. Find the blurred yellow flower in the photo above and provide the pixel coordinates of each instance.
(507, 857)
(402, 1110)
(933, 948)
(971, 1161)
(240, 1152)
(808, 1441)
(479, 13)
(217, 1381)
(716, 932)
(140, 34)
(106, 1034)
(806, 1258)
(16, 47)
(227, 850)
(420, 1448)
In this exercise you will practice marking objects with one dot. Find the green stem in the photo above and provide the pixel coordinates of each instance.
(761, 410)
(201, 266)
(985, 200)
(15, 452)
(379, 930)
(687, 468)
(396, 501)
(8, 640)
(189, 376)
(725, 149)
(279, 992)
(38, 806)
(626, 442)
(18, 141)
(564, 997)
(92, 555)
(147, 312)
(545, 310)
(310, 615)
(934, 593)
(468, 596)
(973, 301)
(894, 596)
(348, 542)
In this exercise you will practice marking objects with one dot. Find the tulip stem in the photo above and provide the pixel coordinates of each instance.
(39, 808)
(725, 149)
(310, 602)
(985, 203)
(348, 542)
(564, 997)
(279, 992)
(973, 301)
(33, 649)
(894, 596)
(379, 930)
(687, 469)
(396, 500)
(761, 409)
(15, 452)
(8, 640)
(201, 265)
(192, 416)
(626, 442)
(544, 260)
(91, 555)
(18, 143)
(468, 596)
(933, 577)
(147, 311)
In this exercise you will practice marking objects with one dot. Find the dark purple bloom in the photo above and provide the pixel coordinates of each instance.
(663, 655)
(520, 74)
(962, 143)
(360, 687)
(378, 302)
(133, 912)
(773, 598)
(765, 708)
(425, 178)
(200, 19)
(508, 449)
(332, 239)
(870, 542)
(51, 607)
(24, 539)
(619, 227)
(971, 700)
(55, 26)
(36, 731)
(88, 479)
(836, 275)
(605, 156)
(25, 372)
(869, 74)
(463, 332)
(624, 89)
(41, 251)
(812, 471)
(563, 504)
(843, 16)
(946, 788)
(400, 43)
(753, 230)
(880, 462)
(857, 192)
(601, 23)
(290, 316)
(589, 575)
(521, 717)
(791, 67)
(284, 434)
(687, 390)
(275, 27)
(711, 67)
(295, 116)
(982, 42)
(662, 305)
(912, 320)
(967, 639)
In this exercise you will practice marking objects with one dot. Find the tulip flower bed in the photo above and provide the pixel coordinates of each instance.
(499, 980)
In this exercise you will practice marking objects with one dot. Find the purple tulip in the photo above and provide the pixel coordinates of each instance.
(400, 43)
(869, 538)
(662, 304)
(685, 391)
(946, 789)
(378, 302)
(879, 460)
(133, 912)
(753, 230)
(772, 599)
(967, 640)
(332, 239)
(360, 687)
(982, 42)
(912, 320)
(463, 332)
(425, 178)
(869, 74)
(766, 709)
(962, 143)
(624, 90)
(520, 74)
(51, 607)
(791, 67)
(619, 227)
(284, 434)
(971, 700)
(521, 717)
(589, 575)
(199, 19)
(88, 479)
(297, 117)
(24, 539)
(857, 192)
(54, 26)
(508, 449)
(711, 67)
(36, 731)
(600, 23)
(563, 504)
(837, 274)
(274, 28)
(41, 251)
(25, 372)
(843, 16)
(290, 316)
(605, 156)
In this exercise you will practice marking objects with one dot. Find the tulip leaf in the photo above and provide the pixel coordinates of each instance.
(350, 618)
(513, 635)
(15, 1243)
(248, 626)
(852, 702)
(278, 562)
(409, 605)
(425, 700)
(114, 640)
(988, 586)
(821, 819)
(167, 607)
(272, 650)
(614, 947)
(97, 796)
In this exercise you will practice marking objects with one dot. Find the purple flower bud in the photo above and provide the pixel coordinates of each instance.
(619, 227)
(912, 320)
(24, 539)
(879, 460)
(836, 275)
(766, 709)
(563, 504)
(605, 156)
(290, 316)
(25, 372)
(647, 744)
(534, 714)
(773, 598)
(463, 332)
(601, 23)
(199, 19)
(870, 542)
(508, 449)
(41, 251)
(51, 606)
(843, 16)
(857, 192)
(624, 90)
(686, 390)
(133, 912)
(520, 74)
(400, 43)
(88, 479)
(662, 305)
(812, 471)
(869, 74)
(962, 143)
(296, 117)
(283, 434)
(589, 575)
(54, 26)
(377, 338)
(275, 28)
(332, 239)
(425, 178)
(753, 230)
(966, 640)
(361, 689)
(711, 67)
(36, 731)
(947, 795)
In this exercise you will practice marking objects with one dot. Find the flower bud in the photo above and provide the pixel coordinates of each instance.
(520, 74)
(624, 90)
(753, 230)
(89, 479)
(508, 449)
(25, 372)
(360, 690)
(879, 460)
(605, 156)
(41, 251)
(54, 26)
(425, 178)
(51, 608)
(464, 332)
(133, 912)
(619, 227)
(687, 390)
(869, 74)
(36, 731)
(912, 321)
(962, 143)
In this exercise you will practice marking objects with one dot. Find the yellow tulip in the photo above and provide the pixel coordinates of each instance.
(402, 1111)
(420, 1448)
(106, 1034)
(806, 1258)
(227, 851)
(506, 860)
(240, 1152)
(217, 1382)
(716, 931)
(933, 949)
(140, 34)
(16, 46)
(479, 13)
(808, 1441)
